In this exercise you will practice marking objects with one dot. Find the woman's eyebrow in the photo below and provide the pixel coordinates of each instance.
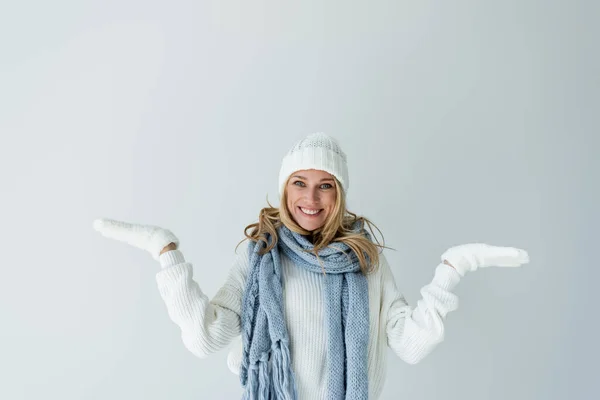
(301, 177)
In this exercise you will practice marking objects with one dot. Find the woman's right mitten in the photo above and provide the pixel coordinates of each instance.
(146, 237)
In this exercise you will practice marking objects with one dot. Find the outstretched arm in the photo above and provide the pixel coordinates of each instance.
(412, 333)
(206, 325)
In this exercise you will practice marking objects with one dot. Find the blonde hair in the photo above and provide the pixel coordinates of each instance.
(337, 228)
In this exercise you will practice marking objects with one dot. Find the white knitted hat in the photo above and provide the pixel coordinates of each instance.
(315, 151)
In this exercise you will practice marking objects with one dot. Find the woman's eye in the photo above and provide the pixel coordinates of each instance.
(323, 186)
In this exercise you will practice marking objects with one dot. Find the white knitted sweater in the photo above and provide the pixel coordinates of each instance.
(208, 325)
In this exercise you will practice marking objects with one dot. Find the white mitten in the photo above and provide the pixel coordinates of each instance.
(469, 257)
(146, 237)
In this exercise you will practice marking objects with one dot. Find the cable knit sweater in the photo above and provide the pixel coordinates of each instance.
(208, 325)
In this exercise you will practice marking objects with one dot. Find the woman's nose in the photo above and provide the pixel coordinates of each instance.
(313, 195)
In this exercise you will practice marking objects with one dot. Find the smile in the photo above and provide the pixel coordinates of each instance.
(310, 213)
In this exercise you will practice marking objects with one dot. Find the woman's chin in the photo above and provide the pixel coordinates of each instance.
(310, 226)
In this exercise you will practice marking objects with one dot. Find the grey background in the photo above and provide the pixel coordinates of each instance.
(463, 121)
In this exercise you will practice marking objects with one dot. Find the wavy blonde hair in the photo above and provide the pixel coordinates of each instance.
(337, 228)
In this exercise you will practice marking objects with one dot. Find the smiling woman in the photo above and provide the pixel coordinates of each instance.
(311, 198)
(311, 297)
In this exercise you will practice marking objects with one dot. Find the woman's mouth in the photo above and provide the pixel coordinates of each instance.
(310, 212)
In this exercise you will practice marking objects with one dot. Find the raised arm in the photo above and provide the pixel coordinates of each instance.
(412, 333)
(207, 325)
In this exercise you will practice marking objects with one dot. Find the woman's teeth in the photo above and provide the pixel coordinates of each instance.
(309, 212)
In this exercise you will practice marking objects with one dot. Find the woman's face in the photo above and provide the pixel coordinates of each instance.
(311, 197)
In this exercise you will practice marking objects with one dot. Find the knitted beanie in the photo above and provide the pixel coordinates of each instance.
(315, 151)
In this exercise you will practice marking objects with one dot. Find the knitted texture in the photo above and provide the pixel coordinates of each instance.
(211, 324)
(316, 151)
(266, 371)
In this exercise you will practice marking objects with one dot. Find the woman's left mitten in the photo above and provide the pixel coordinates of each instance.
(470, 257)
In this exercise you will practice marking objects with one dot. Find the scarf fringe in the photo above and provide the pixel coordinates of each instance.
(258, 385)
(283, 377)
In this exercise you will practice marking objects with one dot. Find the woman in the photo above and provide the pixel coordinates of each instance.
(311, 296)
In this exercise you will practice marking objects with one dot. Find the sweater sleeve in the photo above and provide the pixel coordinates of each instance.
(412, 333)
(206, 325)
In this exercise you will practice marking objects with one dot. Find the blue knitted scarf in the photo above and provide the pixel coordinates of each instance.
(266, 371)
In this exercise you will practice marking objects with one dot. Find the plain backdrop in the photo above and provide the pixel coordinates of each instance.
(463, 121)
